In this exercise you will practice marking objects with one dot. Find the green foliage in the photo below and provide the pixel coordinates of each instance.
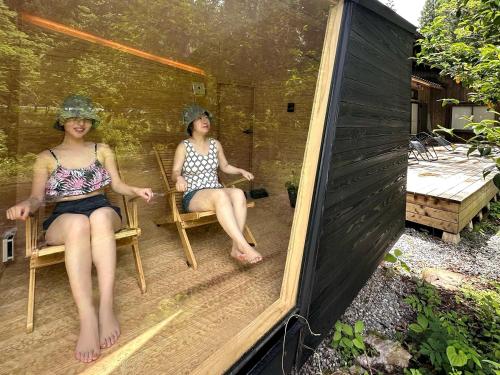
(123, 133)
(449, 342)
(412, 371)
(390, 4)
(17, 50)
(349, 340)
(495, 210)
(463, 41)
(397, 260)
(12, 166)
(428, 13)
(293, 182)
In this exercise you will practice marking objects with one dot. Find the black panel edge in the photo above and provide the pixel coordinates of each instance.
(311, 247)
(251, 360)
(263, 346)
(387, 13)
(273, 361)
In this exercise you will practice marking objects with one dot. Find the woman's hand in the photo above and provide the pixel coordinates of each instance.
(20, 211)
(144, 193)
(246, 174)
(181, 184)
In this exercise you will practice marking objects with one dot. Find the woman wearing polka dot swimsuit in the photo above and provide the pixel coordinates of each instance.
(195, 173)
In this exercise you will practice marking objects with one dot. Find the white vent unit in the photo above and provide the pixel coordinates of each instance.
(8, 245)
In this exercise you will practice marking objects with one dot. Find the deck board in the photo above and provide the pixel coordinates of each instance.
(447, 193)
(214, 303)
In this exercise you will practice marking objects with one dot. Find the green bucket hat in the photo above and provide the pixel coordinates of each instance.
(76, 106)
(192, 112)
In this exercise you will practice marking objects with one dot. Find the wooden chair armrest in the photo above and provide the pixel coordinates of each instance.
(31, 233)
(239, 181)
(131, 213)
(172, 191)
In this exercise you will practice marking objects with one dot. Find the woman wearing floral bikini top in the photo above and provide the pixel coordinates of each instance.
(74, 175)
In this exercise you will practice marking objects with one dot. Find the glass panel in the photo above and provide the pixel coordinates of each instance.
(253, 65)
(457, 114)
(414, 118)
(481, 113)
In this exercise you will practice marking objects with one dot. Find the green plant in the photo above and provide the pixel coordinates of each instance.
(349, 340)
(462, 41)
(412, 371)
(293, 182)
(449, 342)
(397, 260)
(495, 210)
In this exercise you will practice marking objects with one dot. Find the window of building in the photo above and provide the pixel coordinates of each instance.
(460, 115)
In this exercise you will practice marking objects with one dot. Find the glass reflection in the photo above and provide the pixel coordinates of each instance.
(143, 62)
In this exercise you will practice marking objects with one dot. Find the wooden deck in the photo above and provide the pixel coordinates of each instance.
(448, 193)
(183, 318)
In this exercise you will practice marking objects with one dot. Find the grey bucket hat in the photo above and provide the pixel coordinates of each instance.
(192, 112)
(76, 106)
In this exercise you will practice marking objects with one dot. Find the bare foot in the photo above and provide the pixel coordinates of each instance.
(237, 254)
(109, 328)
(87, 346)
(250, 254)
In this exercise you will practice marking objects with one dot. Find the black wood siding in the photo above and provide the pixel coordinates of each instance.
(362, 180)
(358, 208)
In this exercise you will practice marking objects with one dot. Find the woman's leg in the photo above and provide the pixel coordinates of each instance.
(239, 202)
(104, 222)
(73, 231)
(219, 201)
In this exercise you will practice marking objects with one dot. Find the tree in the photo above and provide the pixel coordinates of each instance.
(463, 41)
(428, 13)
(390, 4)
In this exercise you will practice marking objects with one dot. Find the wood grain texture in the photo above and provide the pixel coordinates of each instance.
(446, 194)
(214, 305)
(364, 206)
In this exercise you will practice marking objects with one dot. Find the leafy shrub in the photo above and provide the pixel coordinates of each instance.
(451, 342)
(349, 340)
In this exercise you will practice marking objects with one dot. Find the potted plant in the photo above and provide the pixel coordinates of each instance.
(292, 186)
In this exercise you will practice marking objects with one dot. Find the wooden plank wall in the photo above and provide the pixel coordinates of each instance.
(364, 206)
(279, 136)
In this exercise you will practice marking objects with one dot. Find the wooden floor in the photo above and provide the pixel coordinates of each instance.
(182, 319)
(448, 193)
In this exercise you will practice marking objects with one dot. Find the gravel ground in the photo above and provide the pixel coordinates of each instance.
(380, 303)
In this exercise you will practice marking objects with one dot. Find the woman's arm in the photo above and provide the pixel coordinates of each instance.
(180, 155)
(116, 182)
(40, 175)
(226, 167)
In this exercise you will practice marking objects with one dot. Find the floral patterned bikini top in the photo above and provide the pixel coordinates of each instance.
(66, 182)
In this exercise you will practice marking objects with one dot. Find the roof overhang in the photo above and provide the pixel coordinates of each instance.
(423, 82)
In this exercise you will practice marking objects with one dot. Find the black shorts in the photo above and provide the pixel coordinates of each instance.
(83, 206)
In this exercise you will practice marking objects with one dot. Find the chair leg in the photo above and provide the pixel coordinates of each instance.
(186, 245)
(31, 299)
(249, 236)
(138, 265)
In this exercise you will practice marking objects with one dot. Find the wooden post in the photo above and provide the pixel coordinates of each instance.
(451, 237)
(138, 265)
(31, 295)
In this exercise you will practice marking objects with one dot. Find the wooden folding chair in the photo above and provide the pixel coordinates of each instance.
(185, 220)
(42, 255)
